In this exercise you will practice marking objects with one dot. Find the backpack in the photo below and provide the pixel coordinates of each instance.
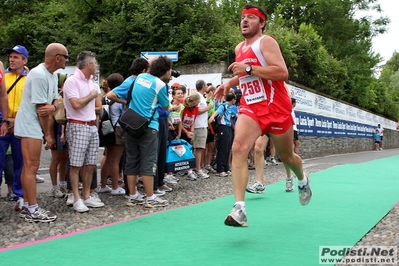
(106, 128)
(60, 114)
(214, 126)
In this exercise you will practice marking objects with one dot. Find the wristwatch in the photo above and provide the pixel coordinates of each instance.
(248, 69)
(6, 121)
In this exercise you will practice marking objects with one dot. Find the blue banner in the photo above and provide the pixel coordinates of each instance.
(321, 126)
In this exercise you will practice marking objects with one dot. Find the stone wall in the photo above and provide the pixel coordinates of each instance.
(311, 147)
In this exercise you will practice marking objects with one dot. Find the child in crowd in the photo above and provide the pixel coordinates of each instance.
(188, 116)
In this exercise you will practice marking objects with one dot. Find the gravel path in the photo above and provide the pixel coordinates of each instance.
(14, 230)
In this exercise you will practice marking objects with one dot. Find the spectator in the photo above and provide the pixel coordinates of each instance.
(201, 128)
(149, 90)
(114, 152)
(210, 139)
(4, 131)
(381, 131)
(224, 133)
(59, 152)
(80, 96)
(160, 188)
(295, 128)
(188, 117)
(120, 93)
(175, 113)
(377, 140)
(39, 100)
(14, 77)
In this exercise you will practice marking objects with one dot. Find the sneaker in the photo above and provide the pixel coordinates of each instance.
(273, 161)
(157, 202)
(133, 202)
(10, 196)
(223, 174)
(80, 186)
(40, 215)
(228, 172)
(182, 173)
(251, 167)
(202, 174)
(19, 204)
(191, 176)
(210, 169)
(380, 149)
(95, 196)
(63, 189)
(24, 211)
(170, 180)
(105, 189)
(56, 192)
(159, 192)
(91, 202)
(289, 184)
(257, 188)
(39, 179)
(204, 170)
(305, 193)
(109, 181)
(70, 199)
(237, 217)
(165, 188)
(79, 206)
(118, 192)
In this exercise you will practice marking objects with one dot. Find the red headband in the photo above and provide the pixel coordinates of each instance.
(253, 11)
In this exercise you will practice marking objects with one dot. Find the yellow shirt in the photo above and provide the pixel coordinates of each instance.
(15, 95)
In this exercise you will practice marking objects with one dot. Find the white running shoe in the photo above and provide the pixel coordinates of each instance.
(289, 184)
(79, 206)
(91, 202)
(201, 174)
(118, 192)
(256, 188)
(305, 193)
(237, 217)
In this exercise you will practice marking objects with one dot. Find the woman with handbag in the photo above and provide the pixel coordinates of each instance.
(114, 150)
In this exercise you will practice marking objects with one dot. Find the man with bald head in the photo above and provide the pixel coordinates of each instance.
(39, 100)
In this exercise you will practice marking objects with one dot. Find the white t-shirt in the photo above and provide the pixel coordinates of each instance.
(294, 127)
(380, 130)
(40, 87)
(202, 119)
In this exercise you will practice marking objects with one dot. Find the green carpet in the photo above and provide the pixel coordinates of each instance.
(347, 202)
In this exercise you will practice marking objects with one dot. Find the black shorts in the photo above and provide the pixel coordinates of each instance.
(210, 137)
(296, 135)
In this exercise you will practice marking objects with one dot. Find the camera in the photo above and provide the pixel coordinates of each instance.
(175, 73)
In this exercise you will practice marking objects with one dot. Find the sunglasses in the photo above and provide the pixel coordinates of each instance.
(64, 55)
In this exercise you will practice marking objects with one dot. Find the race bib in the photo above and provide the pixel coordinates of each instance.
(252, 89)
(175, 119)
(188, 122)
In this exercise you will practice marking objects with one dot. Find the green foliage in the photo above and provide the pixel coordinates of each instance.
(325, 47)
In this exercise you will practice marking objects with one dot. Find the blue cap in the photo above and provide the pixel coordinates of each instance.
(19, 49)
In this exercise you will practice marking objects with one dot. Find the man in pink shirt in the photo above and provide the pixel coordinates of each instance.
(80, 95)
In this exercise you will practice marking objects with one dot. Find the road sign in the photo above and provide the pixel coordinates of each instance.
(172, 55)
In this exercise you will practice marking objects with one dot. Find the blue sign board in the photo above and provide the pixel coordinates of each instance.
(320, 126)
(172, 55)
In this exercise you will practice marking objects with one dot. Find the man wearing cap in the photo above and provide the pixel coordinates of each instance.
(265, 107)
(15, 77)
